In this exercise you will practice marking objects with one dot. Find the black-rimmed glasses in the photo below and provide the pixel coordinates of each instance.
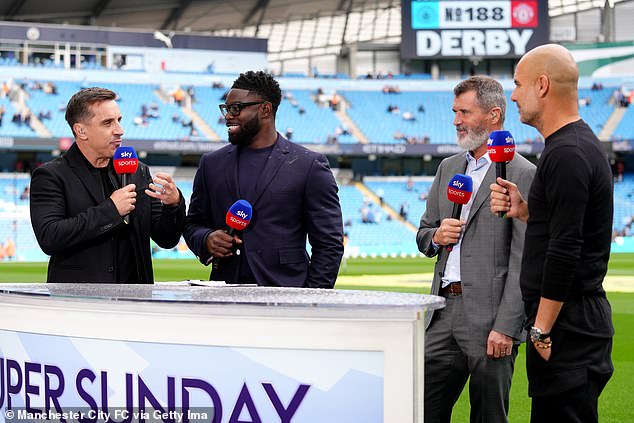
(236, 108)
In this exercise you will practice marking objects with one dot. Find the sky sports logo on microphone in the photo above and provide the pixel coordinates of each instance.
(125, 160)
(460, 188)
(501, 146)
(239, 215)
(239, 222)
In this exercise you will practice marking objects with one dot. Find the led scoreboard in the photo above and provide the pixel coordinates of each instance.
(458, 29)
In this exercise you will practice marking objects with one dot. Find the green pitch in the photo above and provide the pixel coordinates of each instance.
(400, 274)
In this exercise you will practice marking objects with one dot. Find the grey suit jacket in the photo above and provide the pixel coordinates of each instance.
(490, 253)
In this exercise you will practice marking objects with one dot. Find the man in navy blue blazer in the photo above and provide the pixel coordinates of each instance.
(292, 191)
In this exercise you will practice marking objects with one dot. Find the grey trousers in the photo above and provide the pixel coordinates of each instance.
(451, 358)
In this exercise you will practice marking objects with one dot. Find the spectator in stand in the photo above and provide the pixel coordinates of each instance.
(335, 102)
(620, 169)
(179, 96)
(404, 210)
(17, 118)
(9, 249)
(191, 92)
(410, 184)
(25, 193)
(44, 115)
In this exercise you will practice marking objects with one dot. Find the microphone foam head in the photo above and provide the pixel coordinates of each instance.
(501, 146)
(125, 160)
(239, 215)
(460, 188)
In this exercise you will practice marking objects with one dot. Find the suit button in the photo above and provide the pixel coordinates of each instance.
(110, 269)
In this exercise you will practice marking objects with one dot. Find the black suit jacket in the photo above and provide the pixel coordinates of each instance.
(295, 197)
(74, 222)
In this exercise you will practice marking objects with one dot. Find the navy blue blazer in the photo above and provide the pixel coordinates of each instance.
(295, 197)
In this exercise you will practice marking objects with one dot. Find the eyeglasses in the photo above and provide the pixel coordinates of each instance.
(236, 108)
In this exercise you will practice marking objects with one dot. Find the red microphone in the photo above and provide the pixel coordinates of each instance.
(459, 192)
(501, 148)
(125, 163)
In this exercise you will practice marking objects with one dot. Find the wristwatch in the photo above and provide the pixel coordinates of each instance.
(537, 335)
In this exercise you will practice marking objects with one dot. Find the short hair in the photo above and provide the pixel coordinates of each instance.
(489, 92)
(261, 83)
(78, 107)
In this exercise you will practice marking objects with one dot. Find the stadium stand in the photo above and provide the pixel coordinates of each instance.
(412, 117)
(299, 111)
(383, 233)
(147, 116)
(625, 129)
(399, 194)
(378, 234)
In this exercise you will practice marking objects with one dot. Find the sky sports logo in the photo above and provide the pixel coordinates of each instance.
(132, 162)
(240, 222)
(456, 192)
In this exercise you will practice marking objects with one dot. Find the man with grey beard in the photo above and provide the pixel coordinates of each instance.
(478, 332)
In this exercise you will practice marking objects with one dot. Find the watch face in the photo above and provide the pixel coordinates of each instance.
(535, 333)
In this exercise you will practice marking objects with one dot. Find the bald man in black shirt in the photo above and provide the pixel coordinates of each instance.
(567, 244)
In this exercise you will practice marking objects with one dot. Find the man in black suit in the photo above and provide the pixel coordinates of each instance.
(291, 189)
(78, 203)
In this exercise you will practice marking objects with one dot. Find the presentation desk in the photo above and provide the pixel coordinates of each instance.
(217, 353)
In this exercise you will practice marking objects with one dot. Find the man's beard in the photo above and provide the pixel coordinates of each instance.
(245, 135)
(474, 139)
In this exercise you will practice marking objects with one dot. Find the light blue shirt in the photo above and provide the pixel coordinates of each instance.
(477, 169)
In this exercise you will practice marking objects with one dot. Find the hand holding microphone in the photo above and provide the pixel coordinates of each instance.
(220, 244)
(458, 192)
(506, 199)
(501, 148)
(124, 200)
(125, 163)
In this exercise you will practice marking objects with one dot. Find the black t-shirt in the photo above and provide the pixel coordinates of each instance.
(251, 163)
(567, 245)
(126, 264)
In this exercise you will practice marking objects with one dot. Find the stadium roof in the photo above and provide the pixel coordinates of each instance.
(206, 15)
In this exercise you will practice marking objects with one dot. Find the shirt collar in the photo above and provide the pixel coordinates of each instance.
(482, 161)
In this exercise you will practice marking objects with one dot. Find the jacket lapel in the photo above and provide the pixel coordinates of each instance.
(458, 165)
(483, 193)
(231, 172)
(273, 164)
(78, 164)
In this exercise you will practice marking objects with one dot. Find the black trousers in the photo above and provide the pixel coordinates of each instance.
(577, 405)
(566, 388)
